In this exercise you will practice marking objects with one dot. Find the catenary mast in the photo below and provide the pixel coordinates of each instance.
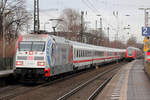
(36, 16)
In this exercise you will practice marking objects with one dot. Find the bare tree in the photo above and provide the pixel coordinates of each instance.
(132, 41)
(71, 21)
(15, 15)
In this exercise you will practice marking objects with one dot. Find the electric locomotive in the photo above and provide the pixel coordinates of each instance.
(43, 56)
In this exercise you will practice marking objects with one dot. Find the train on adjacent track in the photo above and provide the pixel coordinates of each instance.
(133, 53)
(41, 56)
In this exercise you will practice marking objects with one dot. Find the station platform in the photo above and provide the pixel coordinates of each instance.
(130, 83)
(5, 73)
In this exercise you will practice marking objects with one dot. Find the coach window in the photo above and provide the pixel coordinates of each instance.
(77, 52)
(100, 53)
(80, 53)
(74, 52)
(83, 53)
(86, 53)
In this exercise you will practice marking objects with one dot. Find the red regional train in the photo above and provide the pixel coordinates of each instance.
(133, 53)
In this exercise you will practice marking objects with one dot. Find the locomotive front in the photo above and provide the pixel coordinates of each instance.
(130, 53)
(31, 59)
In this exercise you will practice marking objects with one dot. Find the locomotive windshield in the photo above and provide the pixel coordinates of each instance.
(130, 51)
(38, 46)
(31, 46)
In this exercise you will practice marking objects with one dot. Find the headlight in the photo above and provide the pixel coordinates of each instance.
(42, 63)
(19, 63)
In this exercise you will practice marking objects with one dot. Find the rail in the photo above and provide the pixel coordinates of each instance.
(67, 95)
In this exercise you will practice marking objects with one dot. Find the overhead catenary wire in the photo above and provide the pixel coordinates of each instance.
(90, 5)
(87, 5)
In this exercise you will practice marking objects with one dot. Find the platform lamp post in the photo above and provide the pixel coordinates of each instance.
(145, 13)
(127, 27)
(108, 41)
(54, 27)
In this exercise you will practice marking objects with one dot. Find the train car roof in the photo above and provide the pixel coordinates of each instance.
(134, 48)
(59, 39)
(97, 48)
(44, 37)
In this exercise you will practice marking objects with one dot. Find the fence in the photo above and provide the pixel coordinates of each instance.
(6, 63)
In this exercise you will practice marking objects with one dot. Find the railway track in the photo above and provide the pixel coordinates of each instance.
(21, 90)
(99, 89)
(9, 92)
(75, 93)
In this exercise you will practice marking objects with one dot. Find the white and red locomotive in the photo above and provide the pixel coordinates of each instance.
(43, 56)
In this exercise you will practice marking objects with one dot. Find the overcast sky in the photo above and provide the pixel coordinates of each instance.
(102, 7)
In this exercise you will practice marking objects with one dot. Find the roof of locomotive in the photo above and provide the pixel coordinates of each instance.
(44, 37)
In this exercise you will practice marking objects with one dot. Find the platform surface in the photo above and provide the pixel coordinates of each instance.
(130, 83)
(5, 73)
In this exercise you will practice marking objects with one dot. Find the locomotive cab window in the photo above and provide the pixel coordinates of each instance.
(38, 46)
(25, 46)
(31, 46)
